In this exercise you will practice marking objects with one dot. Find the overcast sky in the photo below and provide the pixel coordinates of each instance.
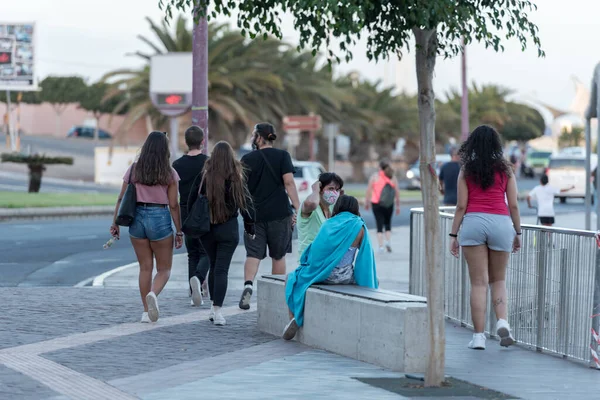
(91, 37)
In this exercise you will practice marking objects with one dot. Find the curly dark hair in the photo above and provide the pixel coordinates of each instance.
(153, 167)
(482, 156)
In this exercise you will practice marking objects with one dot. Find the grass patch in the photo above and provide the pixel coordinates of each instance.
(37, 200)
(405, 195)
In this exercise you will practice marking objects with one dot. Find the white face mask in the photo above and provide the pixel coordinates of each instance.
(331, 196)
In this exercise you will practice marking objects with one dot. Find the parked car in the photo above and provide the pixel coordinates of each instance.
(565, 170)
(87, 132)
(306, 173)
(536, 163)
(414, 173)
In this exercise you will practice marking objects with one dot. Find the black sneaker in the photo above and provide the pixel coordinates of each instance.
(245, 299)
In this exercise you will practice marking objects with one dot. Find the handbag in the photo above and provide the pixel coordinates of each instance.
(197, 223)
(127, 209)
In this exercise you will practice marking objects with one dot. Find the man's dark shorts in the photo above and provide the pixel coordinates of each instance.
(276, 235)
(546, 220)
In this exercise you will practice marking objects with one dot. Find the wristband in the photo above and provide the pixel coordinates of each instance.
(519, 233)
(179, 234)
(452, 235)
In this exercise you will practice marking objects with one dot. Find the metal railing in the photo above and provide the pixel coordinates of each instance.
(553, 286)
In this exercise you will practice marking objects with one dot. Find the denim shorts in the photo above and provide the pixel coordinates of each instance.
(152, 223)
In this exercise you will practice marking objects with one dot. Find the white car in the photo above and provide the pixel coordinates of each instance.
(565, 170)
(307, 173)
(414, 173)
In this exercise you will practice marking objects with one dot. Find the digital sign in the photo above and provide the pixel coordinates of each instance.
(172, 99)
(17, 56)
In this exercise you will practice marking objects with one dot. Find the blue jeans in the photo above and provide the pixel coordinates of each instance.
(152, 223)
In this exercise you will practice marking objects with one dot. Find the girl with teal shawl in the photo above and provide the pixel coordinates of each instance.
(337, 235)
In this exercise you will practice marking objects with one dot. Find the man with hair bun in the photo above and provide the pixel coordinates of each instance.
(270, 178)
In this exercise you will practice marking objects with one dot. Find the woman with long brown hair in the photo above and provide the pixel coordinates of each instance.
(225, 188)
(151, 232)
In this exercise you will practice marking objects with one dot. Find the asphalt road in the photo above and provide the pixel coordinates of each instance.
(69, 146)
(18, 182)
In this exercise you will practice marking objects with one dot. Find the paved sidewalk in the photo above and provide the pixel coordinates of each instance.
(87, 343)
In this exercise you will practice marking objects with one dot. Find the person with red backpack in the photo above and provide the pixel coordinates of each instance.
(382, 194)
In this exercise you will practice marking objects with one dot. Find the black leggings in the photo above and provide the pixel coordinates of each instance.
(198, 264)
(220, 244)
(383, 217)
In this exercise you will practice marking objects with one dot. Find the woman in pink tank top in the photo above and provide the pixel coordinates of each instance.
(487, 215)
(151, 232)
(382, 194)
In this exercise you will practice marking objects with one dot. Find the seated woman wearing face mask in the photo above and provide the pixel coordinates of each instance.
(332, 259)
(317, 208)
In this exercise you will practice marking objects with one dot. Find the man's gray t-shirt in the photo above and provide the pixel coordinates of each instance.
(449, 176)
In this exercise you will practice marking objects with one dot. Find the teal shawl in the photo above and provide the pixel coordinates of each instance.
(320, 258)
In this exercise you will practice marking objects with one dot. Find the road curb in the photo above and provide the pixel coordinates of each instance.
(7, 214)
(99, 280)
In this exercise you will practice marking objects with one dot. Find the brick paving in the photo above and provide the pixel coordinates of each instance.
(87, 343)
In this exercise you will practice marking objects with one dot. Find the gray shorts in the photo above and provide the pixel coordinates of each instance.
(274, 235)
(495, 231)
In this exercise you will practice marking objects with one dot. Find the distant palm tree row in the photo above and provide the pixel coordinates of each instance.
(255, 80)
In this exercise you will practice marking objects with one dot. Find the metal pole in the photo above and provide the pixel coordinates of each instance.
(464, 104)
(588, 193)
(174, 136)
(331, 130)
(11, 130)
(200, 72)
(596, 168)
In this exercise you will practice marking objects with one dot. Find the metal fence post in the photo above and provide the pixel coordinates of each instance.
(541, 288)
(411, 288)
(596, 307)
(563, 330)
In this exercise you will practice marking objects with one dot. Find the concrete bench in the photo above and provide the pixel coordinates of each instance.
(380, 327)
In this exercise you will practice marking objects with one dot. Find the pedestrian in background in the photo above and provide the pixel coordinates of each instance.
(489, 228)
(271, 183)
(151, 232)
(544, 195)
(317, 208)
(382, 193)
(224, 185)
(449, 179)
(189, 167)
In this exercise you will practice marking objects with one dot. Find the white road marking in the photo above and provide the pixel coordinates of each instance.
(84, 237)
(99, 280)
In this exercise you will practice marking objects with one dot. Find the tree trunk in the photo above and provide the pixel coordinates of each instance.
(35, 177)
(426, 44)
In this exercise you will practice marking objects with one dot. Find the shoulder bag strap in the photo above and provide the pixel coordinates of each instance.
(273, 174)
(131, 172)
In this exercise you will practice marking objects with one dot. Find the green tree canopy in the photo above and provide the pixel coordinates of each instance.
(62, 90)
(523, 123)
(96, 100)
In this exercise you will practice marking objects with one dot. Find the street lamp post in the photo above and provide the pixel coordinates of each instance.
(200, 73)
(464, 104)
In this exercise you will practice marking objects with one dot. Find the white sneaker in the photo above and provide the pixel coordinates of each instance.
(478, 342)
(219, 319)
(211, 315)
(381, 250)
(196, 291)
(503, 330)
(388, 247)
(145, 319)
(152, 302)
